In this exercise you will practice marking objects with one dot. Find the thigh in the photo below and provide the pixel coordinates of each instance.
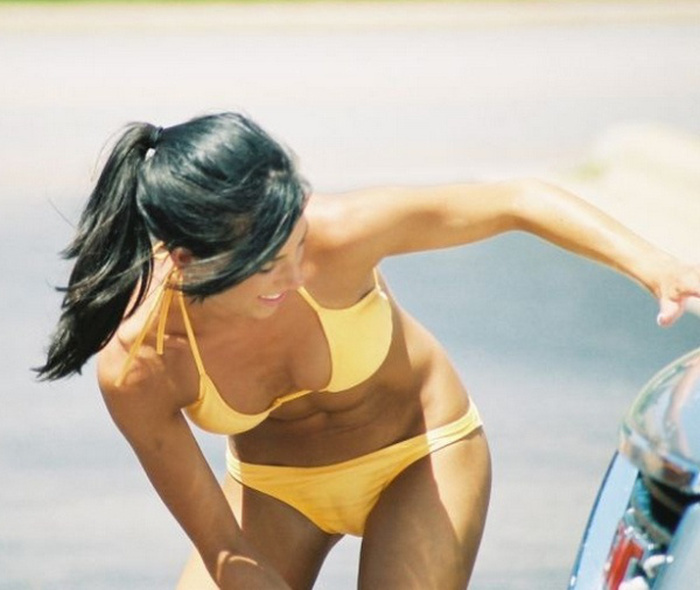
(291, 542)
(425, 530)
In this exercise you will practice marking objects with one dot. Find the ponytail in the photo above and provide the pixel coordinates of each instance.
(112, 252)
(217, 185)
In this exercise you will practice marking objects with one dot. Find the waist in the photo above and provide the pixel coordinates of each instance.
(332, 437)
(422, 443)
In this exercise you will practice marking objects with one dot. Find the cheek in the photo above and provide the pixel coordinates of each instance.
(256, 285)
(235, 296)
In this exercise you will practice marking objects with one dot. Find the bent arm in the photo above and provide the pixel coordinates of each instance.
(384, 222)
(577, 226)
(175, 465)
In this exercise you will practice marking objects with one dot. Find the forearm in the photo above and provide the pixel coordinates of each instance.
(175, 465)
(573, 224)
(231, 560)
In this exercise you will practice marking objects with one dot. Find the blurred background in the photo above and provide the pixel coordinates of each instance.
(603, 97)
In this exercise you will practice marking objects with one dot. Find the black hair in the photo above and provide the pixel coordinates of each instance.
(217, 185)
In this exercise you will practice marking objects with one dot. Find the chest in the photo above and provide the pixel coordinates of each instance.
(253, 366)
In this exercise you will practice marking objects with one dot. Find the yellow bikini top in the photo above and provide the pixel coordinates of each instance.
(358, 339)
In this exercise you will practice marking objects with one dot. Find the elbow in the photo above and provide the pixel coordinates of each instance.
(525, 199)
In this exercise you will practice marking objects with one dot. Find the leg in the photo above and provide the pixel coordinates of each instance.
(293, 544)
(425, 530)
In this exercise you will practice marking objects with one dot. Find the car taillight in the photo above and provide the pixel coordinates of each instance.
(644, 534)
(642, 537)
(626, 554)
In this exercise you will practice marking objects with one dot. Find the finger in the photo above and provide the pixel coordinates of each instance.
(669, 311)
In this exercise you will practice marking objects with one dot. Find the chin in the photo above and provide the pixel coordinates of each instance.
(263, 311)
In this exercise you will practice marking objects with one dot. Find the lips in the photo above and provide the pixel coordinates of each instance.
(273, 299)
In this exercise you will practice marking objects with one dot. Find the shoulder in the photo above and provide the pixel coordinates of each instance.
(140, 396)
(353, 222)
(141, 374)
(115, 367)
(347, 211)
(331, 218)
(122, 373)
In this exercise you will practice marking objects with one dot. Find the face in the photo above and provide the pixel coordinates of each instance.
(260, 295)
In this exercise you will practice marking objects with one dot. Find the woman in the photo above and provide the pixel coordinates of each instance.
(214, 287)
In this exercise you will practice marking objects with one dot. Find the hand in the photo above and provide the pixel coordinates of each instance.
(673, 291)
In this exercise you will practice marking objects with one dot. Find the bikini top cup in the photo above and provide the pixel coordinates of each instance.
(358, 339)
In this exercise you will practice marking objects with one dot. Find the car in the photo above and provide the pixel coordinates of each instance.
(644, 528)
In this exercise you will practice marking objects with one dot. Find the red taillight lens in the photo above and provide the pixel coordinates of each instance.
(626, 552)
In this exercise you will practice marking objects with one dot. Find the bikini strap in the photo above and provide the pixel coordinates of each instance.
(375, 274)
(133, 351)
(309, 299)
(190, 335)
(163, 300)
(160, 335)
(318, 307)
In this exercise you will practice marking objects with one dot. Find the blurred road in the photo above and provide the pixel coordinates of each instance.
(553, 348)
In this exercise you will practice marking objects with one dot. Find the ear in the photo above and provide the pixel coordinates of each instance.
(181, 257)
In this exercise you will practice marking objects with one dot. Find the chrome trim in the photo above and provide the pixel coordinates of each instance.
(682, 570)
(661, 432)
(612, 501)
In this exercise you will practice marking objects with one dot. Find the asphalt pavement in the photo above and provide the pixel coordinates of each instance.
(602, 97)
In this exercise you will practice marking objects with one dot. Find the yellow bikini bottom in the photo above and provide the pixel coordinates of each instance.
(339, 497)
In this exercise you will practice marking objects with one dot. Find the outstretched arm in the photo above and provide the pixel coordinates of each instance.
(382, 222)
(562, 218)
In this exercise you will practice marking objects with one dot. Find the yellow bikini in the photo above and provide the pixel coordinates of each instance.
(358, 339)
(350, 364)
(338, 498)
(369, 322)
